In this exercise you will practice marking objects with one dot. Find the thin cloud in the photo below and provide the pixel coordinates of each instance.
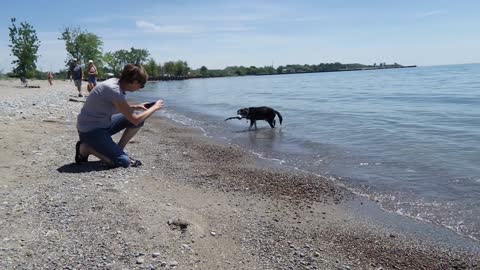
(232, 29)
(168, 29)
(199, 29)
(307, 19)
(107, 19)
(429, 13)
(231, 18)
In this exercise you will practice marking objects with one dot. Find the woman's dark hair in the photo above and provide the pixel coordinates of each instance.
(133, 73)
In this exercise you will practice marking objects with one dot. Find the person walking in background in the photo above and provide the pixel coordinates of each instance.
(77, 76)
(92, 75)
(106, 112)
(50, 77)
(71, 65)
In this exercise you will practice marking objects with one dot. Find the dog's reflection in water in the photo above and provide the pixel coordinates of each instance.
(265, 138)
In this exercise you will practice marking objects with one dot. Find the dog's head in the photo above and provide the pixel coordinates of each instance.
(243, 112)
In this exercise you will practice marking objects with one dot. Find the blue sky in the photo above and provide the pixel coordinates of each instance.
(225, 33)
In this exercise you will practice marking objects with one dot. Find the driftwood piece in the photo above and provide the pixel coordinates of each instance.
(75, 100)
(234, 117)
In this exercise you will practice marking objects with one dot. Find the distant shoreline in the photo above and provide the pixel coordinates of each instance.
(179, 78)
(340, 70)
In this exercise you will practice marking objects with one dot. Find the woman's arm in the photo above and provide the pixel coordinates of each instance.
(137, 118)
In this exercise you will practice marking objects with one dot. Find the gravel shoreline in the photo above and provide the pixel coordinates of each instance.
(192, 205)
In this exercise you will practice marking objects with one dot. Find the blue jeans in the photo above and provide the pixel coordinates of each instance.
(100, 140)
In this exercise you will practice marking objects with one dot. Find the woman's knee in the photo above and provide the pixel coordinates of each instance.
(120, 122)
(122, 161)
(139, 125)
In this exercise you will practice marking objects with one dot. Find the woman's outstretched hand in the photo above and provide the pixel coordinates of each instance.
(158, 105)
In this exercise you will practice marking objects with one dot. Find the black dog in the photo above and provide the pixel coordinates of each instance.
(258, 113)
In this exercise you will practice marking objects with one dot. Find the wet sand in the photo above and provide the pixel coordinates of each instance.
(194, 204)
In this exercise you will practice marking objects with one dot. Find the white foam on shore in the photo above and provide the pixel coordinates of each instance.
(261, 156)
(457, 228)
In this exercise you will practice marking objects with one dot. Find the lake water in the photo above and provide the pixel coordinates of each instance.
(408, 139)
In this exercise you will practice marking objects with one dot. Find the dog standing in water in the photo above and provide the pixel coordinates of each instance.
(258, 113)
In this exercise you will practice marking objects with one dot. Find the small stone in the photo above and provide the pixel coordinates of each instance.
(213, 233)
(156, 254)
(140, 260)
(173, 263)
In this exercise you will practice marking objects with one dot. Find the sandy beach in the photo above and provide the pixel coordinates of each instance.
(194, 204)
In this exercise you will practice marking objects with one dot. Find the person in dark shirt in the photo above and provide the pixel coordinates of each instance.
(77, 76)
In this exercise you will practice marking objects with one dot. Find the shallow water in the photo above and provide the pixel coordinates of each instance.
(406, 138)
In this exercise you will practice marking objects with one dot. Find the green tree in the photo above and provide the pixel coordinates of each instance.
(152, 68)
(203, 71)
(116, 60)
(252, 70)
(24, 44)
(270, 70)
(82, 45)
(169, 68)
(137, 56)
(181, 68)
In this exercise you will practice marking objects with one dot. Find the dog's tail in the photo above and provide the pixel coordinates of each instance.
(279, 116)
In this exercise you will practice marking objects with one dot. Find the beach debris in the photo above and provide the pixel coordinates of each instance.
(178, 223)
(75, 100)
(53, 120)
(187, 248)
(140, 260)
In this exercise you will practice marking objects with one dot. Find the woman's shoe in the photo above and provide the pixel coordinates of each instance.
(79, 158)
(135, 163)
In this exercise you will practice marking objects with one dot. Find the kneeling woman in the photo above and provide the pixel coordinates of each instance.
(106, 112)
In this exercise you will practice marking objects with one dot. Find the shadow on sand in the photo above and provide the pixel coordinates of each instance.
(83, 168)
